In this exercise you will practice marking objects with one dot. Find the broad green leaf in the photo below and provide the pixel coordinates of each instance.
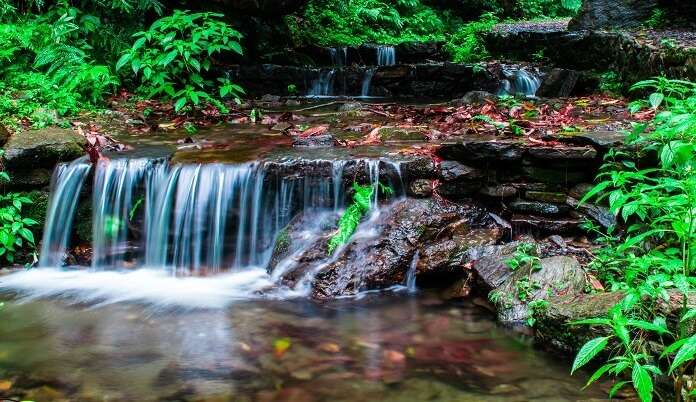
(656, 99)
(686, 353)
(642, 382)
(588, 351)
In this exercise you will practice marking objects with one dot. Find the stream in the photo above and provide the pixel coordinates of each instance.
(393, 346)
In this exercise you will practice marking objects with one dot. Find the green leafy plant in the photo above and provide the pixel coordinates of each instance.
(14, 229)
(655, 258)
(362, 203)
(173, 59)
(466, 44)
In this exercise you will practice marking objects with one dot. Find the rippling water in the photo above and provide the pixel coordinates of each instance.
(382, 347)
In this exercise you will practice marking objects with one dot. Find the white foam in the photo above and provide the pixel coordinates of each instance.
(150, 286)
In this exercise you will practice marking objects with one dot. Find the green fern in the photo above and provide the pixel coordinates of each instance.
(362, 203)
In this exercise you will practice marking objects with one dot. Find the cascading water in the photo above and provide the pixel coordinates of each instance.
(197, 218)
(323, 84)
(65, 189)
(339, 56)
(386, 56)
(519, 82)
(367, 82)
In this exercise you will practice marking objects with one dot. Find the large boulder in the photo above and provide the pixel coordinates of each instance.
(605, 14)
(384, 249)
(43, 148)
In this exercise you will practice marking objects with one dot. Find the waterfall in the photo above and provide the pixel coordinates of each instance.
(339, 56)
(386, 56)
(66, 184)
(411, 273)
(519, 82)
(323, 85)
(198, 219)
(367, 81)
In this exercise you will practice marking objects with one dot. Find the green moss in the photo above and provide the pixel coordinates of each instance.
(282, 244)
(83, 222)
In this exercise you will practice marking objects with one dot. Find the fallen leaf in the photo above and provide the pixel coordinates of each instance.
(280, 346)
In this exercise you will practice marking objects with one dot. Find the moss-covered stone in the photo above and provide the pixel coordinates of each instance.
(43, 148)
(83, 222)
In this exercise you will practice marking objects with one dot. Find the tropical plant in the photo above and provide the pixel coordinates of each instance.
(466, 44)
(173, 59)
(655, 259)
(363, 201)
(14, 229)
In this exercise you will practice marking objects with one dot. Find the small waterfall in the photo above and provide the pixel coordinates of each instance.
(199, 219)
(519, 82)
(386, 56)
(66, 184)
(367, 81)
(323, 85)
(411, 273)
(339, 56)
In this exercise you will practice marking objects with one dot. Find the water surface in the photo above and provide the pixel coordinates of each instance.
(381, 347)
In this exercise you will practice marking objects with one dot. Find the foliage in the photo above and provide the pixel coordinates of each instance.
(173, 57)
(610, 82)
(466, 44)
(533, 9)
(655, 258)
(45, 65)
(362, 203)
(14, 229)
(353, 22)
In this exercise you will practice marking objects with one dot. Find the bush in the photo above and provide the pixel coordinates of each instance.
(466, 45)
(174, 56)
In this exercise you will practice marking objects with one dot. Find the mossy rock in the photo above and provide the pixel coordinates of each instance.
(37, 209)
(83, 222)
(43, 148)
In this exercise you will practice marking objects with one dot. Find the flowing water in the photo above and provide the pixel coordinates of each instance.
(396, 347)
(519, 81)
(386, 56)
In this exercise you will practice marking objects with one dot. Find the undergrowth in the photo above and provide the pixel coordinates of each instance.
(653, 262)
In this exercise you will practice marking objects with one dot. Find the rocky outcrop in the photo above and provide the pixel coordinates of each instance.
(43, 148)
(612, 14)
(431, 234)
(618, 14)
(592, 51)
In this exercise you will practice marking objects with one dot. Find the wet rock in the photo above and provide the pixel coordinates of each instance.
(381, 252)
(556, 275)
(400, 134)
(544, 225)
(558, 83)
(455, 171)
(598, 213)
(538, 208)
(601, 139)
(419, 168)
(282, 126)
(350, 106)
(483, 151)
(420, 188)
(474, 98)
(458, 290)
(382, 261)
(43, 148)
(318, 141)
(500, 191)
(563, 153)
(270, 98)
(30, 178)
(37, 209)
(612, 14)
(4, 135)
(418, 52)
(579, 190)
(449, 252)
(557, 176)
(545, 196)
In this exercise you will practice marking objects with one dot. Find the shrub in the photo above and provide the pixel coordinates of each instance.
(14, 229)
(466, 45)
(173, 59)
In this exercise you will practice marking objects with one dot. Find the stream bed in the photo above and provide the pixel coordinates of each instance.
(387, 346)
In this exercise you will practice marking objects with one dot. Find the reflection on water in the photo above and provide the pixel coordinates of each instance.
(383, 347)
